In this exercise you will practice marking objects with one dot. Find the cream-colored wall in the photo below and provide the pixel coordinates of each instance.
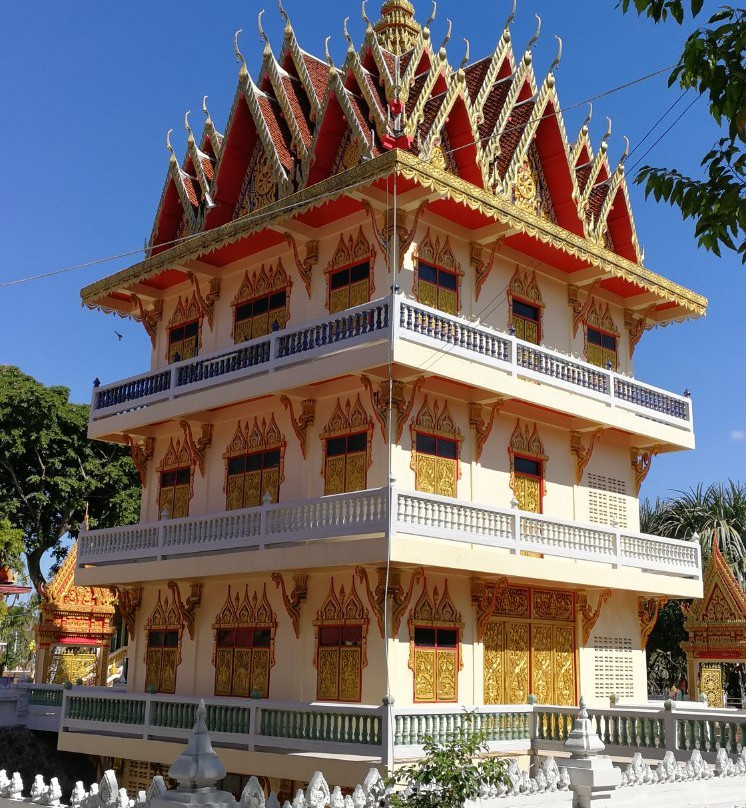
(491, 309)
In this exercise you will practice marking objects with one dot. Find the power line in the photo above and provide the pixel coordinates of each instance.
(655, 125)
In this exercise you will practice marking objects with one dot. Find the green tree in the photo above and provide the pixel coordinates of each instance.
(17, 632)
(711, 63)
(51, 474)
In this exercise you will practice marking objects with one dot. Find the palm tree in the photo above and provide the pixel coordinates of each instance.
(701, 513)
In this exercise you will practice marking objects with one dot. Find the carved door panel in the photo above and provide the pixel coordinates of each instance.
(711, 683)
(181, 502)
(260, 672)
(446, 471)
(446, 674)
(426, 480)
(349, 674)
(271, 484)
(448, 301)
(153, 669)
(542, 666)
(528, 493)
(334, 478)
(357, 463)
(234, 494)
(260, 325)
(359, 293)
(338, 299)
(168, 670)
(564, 665)
(242, 330)
(328, 674)
(424, 674)
(517, 657)
(223, 671)
(494, 659)
(251, 489)
(241, 672)
(428, 294)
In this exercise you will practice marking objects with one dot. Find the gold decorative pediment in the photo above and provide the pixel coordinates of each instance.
(260, 435)
(351, 251)
(524, 285)
(247, 612)
(187, 309)
(435, 610)
(273, 278)
(436, 420)
(61, 593)
(177, 455)
(599, 316)
(439, 254)
(342, 608)
(526, 441)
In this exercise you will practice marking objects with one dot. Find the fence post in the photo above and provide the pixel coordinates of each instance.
(387, 732)
(146, 718)
(533, 722)
(669, 725)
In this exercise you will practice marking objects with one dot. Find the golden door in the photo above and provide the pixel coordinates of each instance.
(527, 330)
(436, 475)
(711, 683)
(528, 493)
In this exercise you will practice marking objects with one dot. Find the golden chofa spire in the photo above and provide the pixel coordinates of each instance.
(397, 29)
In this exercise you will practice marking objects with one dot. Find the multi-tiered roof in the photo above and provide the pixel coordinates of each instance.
(307, 130)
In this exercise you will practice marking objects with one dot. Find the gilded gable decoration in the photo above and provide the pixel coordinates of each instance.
(149, 317)
(432, 251)
(400, 598)
(345, 609)
(297, 596)
(129, 600)
(482, 428)
(526, 442)
(306, 417)
(165, 616)
(641, 461)
(530, 190)
(256, 437)
(524, 286)
(636, 326)
(163, 637)
(436, 420)
(206, 303)
(580, 310)
(435, 472)
(398, 395)
(583, 453)
(187, 310)
(599, 316)
(177, 455)
(247, 486)
(246, 612)
(305, 266)
(647, 613)
(588, 613)
(404, 233)
(482, 266)
(553, 604)
(344, 420)
(350, 252)
(259, 186)
(142, 452)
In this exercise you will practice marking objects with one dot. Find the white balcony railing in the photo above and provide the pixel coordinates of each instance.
(408, 321)
(365, 513)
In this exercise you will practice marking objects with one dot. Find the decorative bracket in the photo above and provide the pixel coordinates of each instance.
(379, 401)
(481, 428)
(590, 615)
(484, 596)
(206, 304)
(142, 452)
(400, 598)
(641, 460)
(305, 266)
(648, 610)
(583, 453)
(306, 417)
(197, 448)
(129, 600)
(481, 267)
(149, 317)
(293, 602)
(187, 610)
(404, 235)
(636, 326)
(580, 310)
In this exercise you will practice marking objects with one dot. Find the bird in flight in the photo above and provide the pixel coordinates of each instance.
(120, 337)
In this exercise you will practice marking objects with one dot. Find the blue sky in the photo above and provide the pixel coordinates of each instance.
(90, 88)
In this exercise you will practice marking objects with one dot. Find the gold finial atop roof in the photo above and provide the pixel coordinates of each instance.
(397, 29)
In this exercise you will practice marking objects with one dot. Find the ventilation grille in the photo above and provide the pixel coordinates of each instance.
(607, 501)
(612, 667)
(137, 775)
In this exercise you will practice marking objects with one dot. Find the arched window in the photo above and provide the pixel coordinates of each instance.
(601, 337)
(436, 447)
(176, 473)
(184, 333)
(262, 303)
(349, 275)
(254, 464)
(527, 459)
(341, 629)
(437, 277)
(435, 627)
(244, 649)
(525, 306)
(163, 631)
(347, 449)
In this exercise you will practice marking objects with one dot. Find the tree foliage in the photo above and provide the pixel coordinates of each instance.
(17, 631)
(450, 773)
(51, 474)
(711, 63)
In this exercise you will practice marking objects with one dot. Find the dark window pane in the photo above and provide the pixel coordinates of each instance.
(359, 272)
(424, 636)
(226, 638)
(176, 334)
(357, 442)
(447, 448)
(262, 637)
(336, 446)
(254, 461)
(182, 476)
(261, 304)
(426, 444)
(236, 465)
(277, 301)
(191, 329)
(170, 639)
(524, 310)
(243, 638)
(447, 637)
(447, 280)
(243, 312)
(329, 636)
(155, 639)
(340, 279)
(609, 342)
(167, 479)
(427, 273)
(594, 337)
(523, 465)
(272, 459)
(352, 635)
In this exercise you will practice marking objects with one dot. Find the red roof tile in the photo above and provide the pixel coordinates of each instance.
(514, 127)
(582, 175)
(475, 76)
(596, 200)
(190, 184)
(319, 73)
(278, 129)
(493, 106)
(300, 105)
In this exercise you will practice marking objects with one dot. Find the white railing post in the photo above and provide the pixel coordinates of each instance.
(517, 527)
(513, 355)
(161, 538)
(669, 725)
(146, 717)
(617, 540)
(254, 719)
(388, 726)
(274, 349)
(612, 388)
(395, 316)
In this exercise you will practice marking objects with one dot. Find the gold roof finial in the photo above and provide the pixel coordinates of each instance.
(283, 14)
(350, 46)
(170, 148)
(511, 17)
(367, 22)
(446, 39)
(397, 29)
(431, 18)
(243, 73)
(327, 54)
(262, 35)
(187, 127)
(465, 60)
(607, 135)
(558, 57)
(625, 155)
(587, 121)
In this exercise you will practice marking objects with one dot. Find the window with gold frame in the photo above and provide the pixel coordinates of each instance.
(341, 629)
(437, 276)
(346, 442)
(254, 464)
(349, 274)
(525, 306)
(262, 303)
(436, 444)
(184, 330)
(163, 630)
(601, 337)
(244, 646)
(527, 459)
(435, 628)
(176, 480)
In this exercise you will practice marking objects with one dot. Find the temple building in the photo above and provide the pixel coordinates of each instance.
(389, 434)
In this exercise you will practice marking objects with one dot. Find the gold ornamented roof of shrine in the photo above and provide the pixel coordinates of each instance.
(308, 132)
(61, 595)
